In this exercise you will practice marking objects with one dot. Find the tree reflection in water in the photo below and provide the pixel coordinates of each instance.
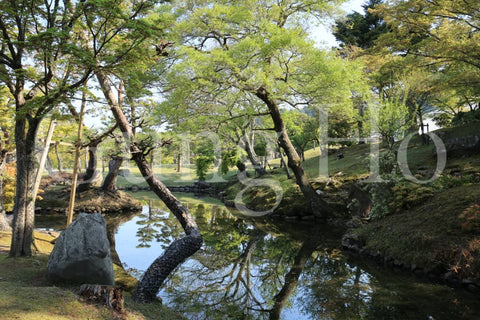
(256, 269)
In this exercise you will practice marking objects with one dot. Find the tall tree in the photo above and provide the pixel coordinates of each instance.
(263, 52)
(124, 33)
(441, 37)
(180, 249)
(360, 29)
(38, 64)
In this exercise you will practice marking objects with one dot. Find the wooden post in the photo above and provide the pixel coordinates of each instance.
(43, 158)
(71, 203)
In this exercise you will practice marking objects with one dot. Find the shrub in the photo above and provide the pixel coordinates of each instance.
(381, 195)
(407, 195)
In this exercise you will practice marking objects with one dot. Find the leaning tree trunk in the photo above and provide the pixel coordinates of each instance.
(24, 214)
(318, 206)
(110, 182)
(180, 249)
(252, 156)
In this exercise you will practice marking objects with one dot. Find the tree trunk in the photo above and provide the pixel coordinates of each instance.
(91, 174)
(242, 168)
(252, 156)
(422, 127)
(109, 296)
(302, 154)
(283, 164)
(24, 215)
(48, 166)
(110, 182)
(318, 206)
(361, 113)
(73, 190)
(91, 169)
(59, 159)
(180, 249)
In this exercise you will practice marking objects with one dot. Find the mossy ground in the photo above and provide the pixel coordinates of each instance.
(442, 233)
(56, 197)
(26, 294)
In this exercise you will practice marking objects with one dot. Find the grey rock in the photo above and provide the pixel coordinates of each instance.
(352, 241)
(82, 253)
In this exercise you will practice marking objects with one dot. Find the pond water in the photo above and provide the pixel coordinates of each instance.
(259, 269)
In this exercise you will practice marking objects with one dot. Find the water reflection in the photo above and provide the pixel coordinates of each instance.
(256, 269)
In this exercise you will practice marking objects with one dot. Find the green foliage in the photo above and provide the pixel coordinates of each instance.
(302, 128)
(447, 181)
(233, 49)
(229, 159)
(435, 37)
(443, 119)
(360, 30)
(205, 157)
(463, 118)
(387, 162)
(6, 116)
(391, 118)
(381, 195)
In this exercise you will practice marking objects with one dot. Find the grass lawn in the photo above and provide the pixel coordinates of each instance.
(25, 293)
(169, 176)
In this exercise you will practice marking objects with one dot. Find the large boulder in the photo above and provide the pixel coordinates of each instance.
(82, 253)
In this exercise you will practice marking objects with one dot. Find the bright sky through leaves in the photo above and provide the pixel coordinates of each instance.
(323, 35)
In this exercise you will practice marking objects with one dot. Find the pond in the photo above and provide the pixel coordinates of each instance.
(261, 269)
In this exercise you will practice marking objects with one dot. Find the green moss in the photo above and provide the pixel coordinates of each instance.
(430, 235)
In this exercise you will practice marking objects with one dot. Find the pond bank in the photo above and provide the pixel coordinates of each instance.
(54, 200)
(438, 239)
